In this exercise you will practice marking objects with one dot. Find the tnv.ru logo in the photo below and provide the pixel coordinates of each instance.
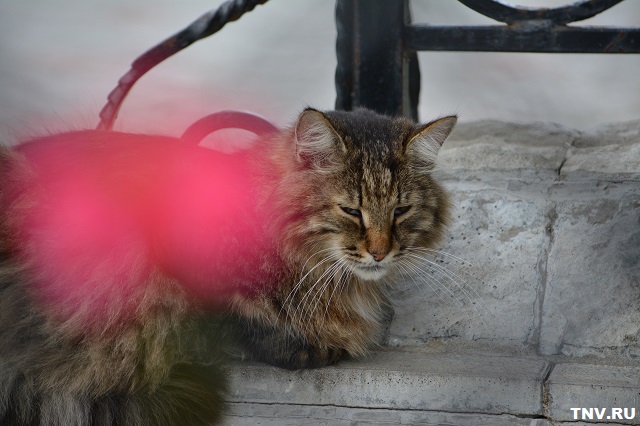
(601, 414)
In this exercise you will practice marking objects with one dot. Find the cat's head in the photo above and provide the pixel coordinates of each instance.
(373, 198)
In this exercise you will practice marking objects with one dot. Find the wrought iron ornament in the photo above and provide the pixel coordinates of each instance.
(543, 30)
(204, 26)
(520, 29)
(377, 44)
(228, 119)
(509, 14)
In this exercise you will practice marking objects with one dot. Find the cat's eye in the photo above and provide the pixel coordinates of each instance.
(399, 211)
(352, 212)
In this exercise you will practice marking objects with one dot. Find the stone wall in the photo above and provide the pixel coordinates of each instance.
(546, 239)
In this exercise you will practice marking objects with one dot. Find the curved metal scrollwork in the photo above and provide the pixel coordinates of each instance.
(527, 29)
(229, 119)
(503, 12)
(206, 25)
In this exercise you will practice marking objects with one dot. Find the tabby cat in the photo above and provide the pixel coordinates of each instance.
(115, 249)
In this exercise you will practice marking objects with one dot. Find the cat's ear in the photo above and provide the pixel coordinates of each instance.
(317, 142)
(425, 141)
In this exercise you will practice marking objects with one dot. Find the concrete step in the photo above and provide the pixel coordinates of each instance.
(455, 386)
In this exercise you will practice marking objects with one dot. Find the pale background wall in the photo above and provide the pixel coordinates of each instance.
(59, 59)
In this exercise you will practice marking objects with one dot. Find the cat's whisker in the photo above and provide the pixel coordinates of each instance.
(317, 297)
(447, 275)
(434, 267)
(311, 257)
(426, 275)
(344, 284)
(342, 268)
(438, 256)
(329, 257)
(411, 271)
(447, 271)
(406, 266)
(430, 250)
(431, 281)
(302, 304)
(344, 278)
(298, 285)
(345, 275)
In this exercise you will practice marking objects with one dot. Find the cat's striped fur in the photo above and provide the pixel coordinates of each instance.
(335, 202)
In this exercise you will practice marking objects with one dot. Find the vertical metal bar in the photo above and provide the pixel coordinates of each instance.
(374, 70)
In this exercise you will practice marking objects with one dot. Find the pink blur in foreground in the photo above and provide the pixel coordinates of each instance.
(108, 211)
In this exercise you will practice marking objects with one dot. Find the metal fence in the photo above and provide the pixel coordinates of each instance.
(377, 44)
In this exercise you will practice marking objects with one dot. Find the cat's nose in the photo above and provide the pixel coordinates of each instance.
(379, 255)
(378, 243)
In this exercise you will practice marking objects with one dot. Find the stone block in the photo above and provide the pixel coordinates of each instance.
(613, 149)
(485, 284)
(592, 298)
(620, 133)
(594, 386)
(402, 381)
(496, 145)
(247, 414)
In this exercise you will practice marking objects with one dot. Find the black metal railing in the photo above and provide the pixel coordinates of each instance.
(206, 25)
(377, 44)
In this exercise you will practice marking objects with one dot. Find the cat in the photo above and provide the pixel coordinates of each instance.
(129, 264)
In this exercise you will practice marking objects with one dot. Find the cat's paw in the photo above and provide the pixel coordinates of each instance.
(314, 357)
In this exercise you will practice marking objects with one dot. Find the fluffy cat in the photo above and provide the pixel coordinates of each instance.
(114, 248)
